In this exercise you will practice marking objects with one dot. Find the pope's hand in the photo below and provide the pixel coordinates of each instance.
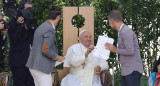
(91, 47)
(97, 69)
(60, 58)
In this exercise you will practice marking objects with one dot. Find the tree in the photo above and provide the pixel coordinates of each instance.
(142, 15)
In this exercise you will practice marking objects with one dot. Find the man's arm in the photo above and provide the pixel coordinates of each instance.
(127, 38)
(15, 30)
(47, 44)
(72, 58)
(3, 36)
(2, 33)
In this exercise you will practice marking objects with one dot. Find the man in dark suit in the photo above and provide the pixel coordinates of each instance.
(20, 46)
(3, 39)
(128, 50)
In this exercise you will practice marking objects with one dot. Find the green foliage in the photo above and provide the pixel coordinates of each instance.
(144, 18)
(144, 80)
(142, 15)
(78, 21)
(117, 78)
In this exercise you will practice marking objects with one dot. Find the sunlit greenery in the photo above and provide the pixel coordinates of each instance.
(142, 15)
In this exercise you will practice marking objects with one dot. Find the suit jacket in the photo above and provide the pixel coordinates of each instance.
(20, 41)
(129, 51)
(38, 60)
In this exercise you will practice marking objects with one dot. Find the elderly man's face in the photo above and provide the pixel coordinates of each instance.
(85, 39)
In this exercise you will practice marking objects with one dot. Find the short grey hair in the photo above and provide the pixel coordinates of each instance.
(80, 34)
(115, 15)
(1, 14)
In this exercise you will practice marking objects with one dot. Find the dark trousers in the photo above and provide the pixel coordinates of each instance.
(2, 57)
(22, 76)
(132, 79)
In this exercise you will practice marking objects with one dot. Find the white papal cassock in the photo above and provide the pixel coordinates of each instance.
(75, 59)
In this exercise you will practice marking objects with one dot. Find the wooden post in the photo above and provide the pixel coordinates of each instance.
(70, 33)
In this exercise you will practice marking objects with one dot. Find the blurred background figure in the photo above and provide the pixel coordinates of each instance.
(3, 38)
(154, 79)
(21, 33)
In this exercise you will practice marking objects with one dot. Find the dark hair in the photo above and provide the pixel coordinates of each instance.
(23, 2)
(155, 69)
(54, 12)
(115, 15)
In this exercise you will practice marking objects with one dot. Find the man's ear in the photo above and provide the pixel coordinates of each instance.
(111, 21)
(58, 17)
(79, 38)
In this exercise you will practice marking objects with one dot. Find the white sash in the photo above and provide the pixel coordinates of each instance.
(86, 74)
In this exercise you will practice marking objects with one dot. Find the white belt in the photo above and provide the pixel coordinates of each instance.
(77, 71)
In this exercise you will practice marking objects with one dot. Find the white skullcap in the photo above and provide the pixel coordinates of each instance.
(82, 32)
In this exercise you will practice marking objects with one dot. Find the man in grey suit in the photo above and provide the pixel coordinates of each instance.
(44, 51)
(128, 50)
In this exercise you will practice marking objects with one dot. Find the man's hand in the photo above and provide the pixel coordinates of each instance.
(110, 47)
(91, 47)
(97, 69)
(60, 58)
(4, 32)
(1, 25)
(20, 20)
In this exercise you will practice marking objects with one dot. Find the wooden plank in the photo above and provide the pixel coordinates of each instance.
(88, 14)
(70, 33)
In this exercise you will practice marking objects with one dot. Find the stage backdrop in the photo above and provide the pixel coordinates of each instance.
(70, 33)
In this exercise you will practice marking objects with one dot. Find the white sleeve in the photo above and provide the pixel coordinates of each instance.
(73, 59)
(4, 37)
(150, 81)
(67, 60)
(77, 60)
(103, 64)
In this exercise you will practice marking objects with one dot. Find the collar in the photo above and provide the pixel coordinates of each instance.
(121, 27)
(82, 45)
(48, 21)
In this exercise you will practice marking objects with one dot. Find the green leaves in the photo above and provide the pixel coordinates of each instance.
(78, 21)
(142, 15)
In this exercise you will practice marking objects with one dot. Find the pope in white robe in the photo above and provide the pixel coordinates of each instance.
(84, 67)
